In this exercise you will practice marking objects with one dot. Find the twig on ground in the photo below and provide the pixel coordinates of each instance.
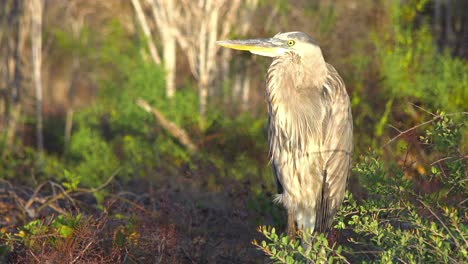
(82, 252)
(33, 196)
(63, 191)
(447, 158)
(69, 193)
(187, 255)
(133, 204)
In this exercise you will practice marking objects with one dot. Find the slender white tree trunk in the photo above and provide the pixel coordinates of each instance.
(169, 52)
(163, 13)
(236, 88)
(195, 26)
(202, 81)
(144, 26)
(36, 44)
(245, 92)
(225, 68)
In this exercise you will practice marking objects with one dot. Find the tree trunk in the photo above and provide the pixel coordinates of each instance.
(163, 14)
(36, 45)
(203, 94)
(225, 69)
(448, 23)
(12, 125)
(10, 15)
(169, 51)
(196, 28)
(202, 74)
(236, 88)
(144, 26)
(245, 92)
(437, 25)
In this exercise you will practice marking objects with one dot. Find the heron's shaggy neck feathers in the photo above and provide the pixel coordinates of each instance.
(295, 99)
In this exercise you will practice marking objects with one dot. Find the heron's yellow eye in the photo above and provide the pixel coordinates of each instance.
(291, 43)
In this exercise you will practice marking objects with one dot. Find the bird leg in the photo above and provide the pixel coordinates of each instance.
(291, 226)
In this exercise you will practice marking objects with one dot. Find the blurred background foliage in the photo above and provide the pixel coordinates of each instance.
(404, 64)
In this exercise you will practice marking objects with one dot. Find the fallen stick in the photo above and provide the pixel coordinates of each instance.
(169, 126)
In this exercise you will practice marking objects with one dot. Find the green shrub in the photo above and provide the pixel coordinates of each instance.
(444, 142)
(412, 69)
(313, 249)
(93, 158)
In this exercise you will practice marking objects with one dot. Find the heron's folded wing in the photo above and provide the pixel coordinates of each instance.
(279, 187)
(336, 152)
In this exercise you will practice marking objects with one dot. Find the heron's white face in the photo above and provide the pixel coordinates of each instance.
(297, 42)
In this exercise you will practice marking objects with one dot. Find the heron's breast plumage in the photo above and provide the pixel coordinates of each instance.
(295, 131)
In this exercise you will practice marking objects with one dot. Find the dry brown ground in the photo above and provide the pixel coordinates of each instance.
(175, 219)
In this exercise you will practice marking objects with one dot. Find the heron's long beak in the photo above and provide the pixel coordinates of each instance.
(270, 47)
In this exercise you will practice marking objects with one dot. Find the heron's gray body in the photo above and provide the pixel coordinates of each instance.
(310, 136)
(310, 128)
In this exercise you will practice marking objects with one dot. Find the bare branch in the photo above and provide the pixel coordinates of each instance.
(170, 127)
(442, 223)
(422, 109)
(435, 118)
(447, 158)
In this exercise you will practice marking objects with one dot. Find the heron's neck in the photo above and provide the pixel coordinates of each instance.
(316, 70)
(293, 75)
(294, 93)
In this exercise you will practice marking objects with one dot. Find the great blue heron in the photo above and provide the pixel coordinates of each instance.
(310, 129)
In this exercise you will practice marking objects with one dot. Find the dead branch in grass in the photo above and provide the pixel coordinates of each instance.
(169, 126)
(49, 201)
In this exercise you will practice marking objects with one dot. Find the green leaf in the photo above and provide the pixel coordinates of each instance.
(65, 231)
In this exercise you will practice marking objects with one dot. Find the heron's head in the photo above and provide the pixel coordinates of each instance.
(297, 42)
